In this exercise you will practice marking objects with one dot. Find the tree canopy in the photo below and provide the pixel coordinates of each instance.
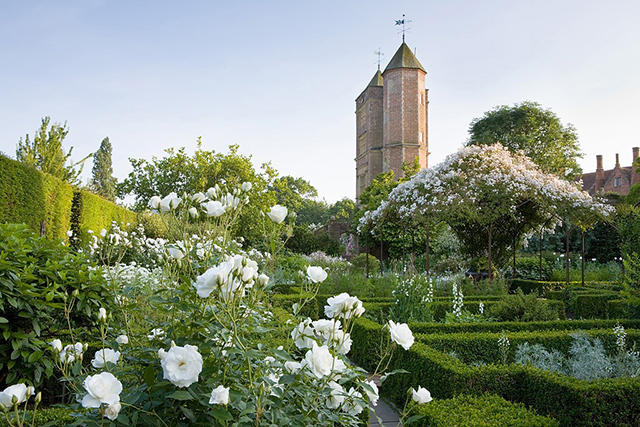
(536, 131)
(102, 181)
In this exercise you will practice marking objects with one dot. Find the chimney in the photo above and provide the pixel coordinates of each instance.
(599, 181)
(617, 160)
(635, 170)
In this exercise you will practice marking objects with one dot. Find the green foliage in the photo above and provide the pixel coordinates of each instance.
(31, 197)
(102, 181)
(522, 307)
(632, 271)
(305, 241)
(570, 401)
(51, 417)
(45, 151)
(359, 262)
(476, 411)
(37, 277)
(413, 299)
(355, 283)
(496, 327)
(627, 220)
(92, 212)
(292, 192)
(534, 130)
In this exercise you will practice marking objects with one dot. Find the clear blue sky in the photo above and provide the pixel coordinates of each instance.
(280, 78)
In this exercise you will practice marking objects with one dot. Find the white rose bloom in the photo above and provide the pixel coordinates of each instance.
(103, 232)
(19, 391)
(193, 212)
(341, 342)
(101, 388)
(122, 339)
(213, 208)
(303, 334)
(316, 274)
(182, 365)
(175, 253)
(421, 396)
(112, 411)
(56, 344)
(154, 202)
(206, 282)
(277, 214)
(343, 306)
(352, 407)
(72, 352)
(219, 396)
(102, 314)
(198, 197)
(337, 395)
(325, 328)
(169, 202)
(319, 360)
(401, 334)
(103, 356)
(373, 396)
(155, 333)
(69, 233)
(263, 279)
(246, 186)
(292, 367)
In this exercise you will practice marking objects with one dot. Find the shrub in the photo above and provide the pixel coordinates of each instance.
(51, 417)
(37, 277)
(468, 410)
(92, 212)
(523, 308)
(359, 262)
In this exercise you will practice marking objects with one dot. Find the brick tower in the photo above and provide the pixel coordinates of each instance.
(391, 119)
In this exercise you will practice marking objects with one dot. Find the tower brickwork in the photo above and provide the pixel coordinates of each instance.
(392, 120)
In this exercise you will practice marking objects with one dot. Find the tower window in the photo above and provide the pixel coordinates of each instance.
(617, 181)
(420, 136)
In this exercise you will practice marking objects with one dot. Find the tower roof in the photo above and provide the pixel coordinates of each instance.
(404, 58)
(376, 80)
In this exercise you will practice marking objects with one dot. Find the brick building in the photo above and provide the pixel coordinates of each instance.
(391, 119)
(617, 180)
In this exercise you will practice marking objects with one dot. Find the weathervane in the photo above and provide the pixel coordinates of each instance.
(380, 55)
(402, 22)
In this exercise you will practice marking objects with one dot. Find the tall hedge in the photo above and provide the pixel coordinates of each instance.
(58, 196)
(92, 212)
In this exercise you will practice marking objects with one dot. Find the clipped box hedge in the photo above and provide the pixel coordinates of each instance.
(286, 301)
(51, 417)
(566, 325)
(476, 411)
(92, 212)
(483, 346)
(543, 287)
(568, 400)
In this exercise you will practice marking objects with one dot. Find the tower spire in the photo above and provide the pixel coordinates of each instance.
(403, 22)
(379, 54)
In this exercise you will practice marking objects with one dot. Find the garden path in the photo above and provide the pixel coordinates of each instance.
(386, 413)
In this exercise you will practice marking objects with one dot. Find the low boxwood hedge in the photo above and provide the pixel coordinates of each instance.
(570, 401)
(474, 411)
(543, 287)
(50, 417)
(567, 325)
(286, 301)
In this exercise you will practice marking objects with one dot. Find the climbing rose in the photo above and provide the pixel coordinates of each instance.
(401, 334)
(102, 314)
(19, 391)
(421, 396)
(219, 396)
(343, 306)
(182, 365)
(101, 388)
(154, 202)
(193, 212)
(112, 411)
(213, 208)
(57, 345)
(316, 274)
(337, 395)
(277, 214)
(320, 361)
(373, 396)
(122, 339)
(103, 356)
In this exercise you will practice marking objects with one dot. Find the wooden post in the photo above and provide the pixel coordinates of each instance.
(566, 252)
(43, 227)
(426, 253)
(582, 254)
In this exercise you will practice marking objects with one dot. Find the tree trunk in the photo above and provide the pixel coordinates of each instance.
(513, 271)
(582, 254)
(404, 252)
(381, 255)
(426, 251)
(489, 257)
(566, 252)
(540, 250)
(366, 262)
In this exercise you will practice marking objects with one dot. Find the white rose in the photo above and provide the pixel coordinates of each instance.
(122, 339)
(401, 334)
(155, 333)
(277, 214)
(103, 232)
(198, 197)
(101, 388)
(352, 406)
(319, 360)
(343, 305)
(19, 391)
(213, 208)
(69, 233)
(182, 365)
(316, 274)
(219, 396)
(102, 314)
(421, 396)
(373, 395)
(303, 334)
(263, 279)
(337, 395)
(193, 212)
(175, 253)
(72, 352)
(112, 411)
(341, 342)
(292, 367)
(169, 202)
(154, 202)
(246, 186)
(103, 356)
(57, 345)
